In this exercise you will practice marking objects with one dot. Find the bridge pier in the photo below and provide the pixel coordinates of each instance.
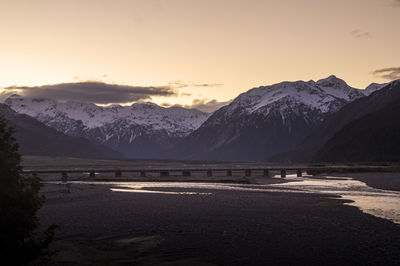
(299, 173)
(266, 172)
(186, 173)
(164, 174)
(247, 172)
(118, 174)
(209, 173)
(64, 177)
(228, 172)
(283, 173)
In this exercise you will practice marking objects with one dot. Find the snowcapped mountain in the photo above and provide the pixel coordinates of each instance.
(142, 130)
(325, 95)
(266, 120)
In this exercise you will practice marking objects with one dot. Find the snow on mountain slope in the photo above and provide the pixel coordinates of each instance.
(373, 87)
(175, 120)
(142, 130)
(325, 95)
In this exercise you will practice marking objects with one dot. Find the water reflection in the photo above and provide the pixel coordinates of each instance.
(377, 202)
(159, 187)
(137, 190)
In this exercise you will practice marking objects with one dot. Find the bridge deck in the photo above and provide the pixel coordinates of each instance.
(183, 169)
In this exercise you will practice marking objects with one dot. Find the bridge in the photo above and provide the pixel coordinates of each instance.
(209, 172)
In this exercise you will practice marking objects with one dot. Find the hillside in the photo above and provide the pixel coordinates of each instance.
(35, 138)
(374, 137)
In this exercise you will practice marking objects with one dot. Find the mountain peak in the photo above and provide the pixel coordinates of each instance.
(333, 77)
(338, 88)
(332, 81)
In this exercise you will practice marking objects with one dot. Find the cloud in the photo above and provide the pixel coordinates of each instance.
(390, 73)
(361, 34)
(94, 92)
(203, 105)
(179, 84)
(208, 106)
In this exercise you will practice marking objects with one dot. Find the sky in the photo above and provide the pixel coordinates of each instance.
(191, 52)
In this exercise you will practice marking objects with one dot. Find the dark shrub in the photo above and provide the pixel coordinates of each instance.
(19, 202)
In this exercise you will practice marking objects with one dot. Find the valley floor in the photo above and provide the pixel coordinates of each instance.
(215, 226)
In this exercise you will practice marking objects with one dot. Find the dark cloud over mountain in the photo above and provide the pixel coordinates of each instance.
(208, 106)
(94, 92)
(203, 105)
(181, 84)
(390, 73)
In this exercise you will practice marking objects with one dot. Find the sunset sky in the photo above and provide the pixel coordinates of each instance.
(201, 50)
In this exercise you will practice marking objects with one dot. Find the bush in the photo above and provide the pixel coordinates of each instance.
(19, 202)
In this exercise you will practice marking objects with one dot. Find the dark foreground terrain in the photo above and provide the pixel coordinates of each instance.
(101, 227)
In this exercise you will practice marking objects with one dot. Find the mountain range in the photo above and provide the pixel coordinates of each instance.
(288, 121)
(142, 130)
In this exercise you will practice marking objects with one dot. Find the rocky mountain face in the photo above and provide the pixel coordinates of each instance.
(35, 138)
(309, 147)
(142, 130)
(266, 120)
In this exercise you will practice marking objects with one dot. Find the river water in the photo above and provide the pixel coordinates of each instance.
(377, 202)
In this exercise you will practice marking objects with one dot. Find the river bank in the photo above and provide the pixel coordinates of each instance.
(236, 226)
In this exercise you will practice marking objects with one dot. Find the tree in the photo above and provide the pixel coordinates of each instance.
(19, 202)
